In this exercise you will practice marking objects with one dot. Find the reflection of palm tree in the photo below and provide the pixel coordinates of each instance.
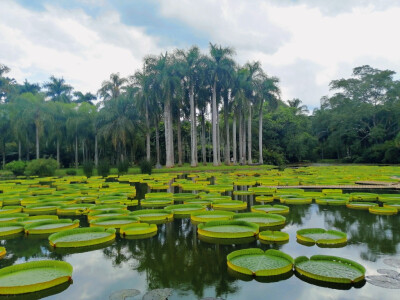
(378, 233)
(171, 260)
(297, 214)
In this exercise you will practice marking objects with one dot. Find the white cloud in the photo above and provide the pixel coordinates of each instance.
(300, 43)
(69, 43)
(305, 43)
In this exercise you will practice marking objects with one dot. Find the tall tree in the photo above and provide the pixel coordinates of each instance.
(220, 65)
(57, 90)
(113, 88)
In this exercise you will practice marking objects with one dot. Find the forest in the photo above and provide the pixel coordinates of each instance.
(191, 107)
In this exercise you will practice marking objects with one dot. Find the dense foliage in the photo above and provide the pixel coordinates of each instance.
(187, 107)
(41, 167)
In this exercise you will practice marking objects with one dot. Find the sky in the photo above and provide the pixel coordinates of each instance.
(305, 43)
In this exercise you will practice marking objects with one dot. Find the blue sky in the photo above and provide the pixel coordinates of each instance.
(306, 43)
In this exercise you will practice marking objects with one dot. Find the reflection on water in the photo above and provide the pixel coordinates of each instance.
(175, 258)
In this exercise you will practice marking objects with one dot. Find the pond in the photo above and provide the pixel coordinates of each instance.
(176, 258)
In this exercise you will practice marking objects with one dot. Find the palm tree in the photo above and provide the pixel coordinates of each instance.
(81, 98)
(6, 84)
(142, 82)
(117, 123)
(220, 65)
(112, 89)
(299, 109)
(193, 66)
(57, 90)
(268, 91)
(165, 83)
(4, 129)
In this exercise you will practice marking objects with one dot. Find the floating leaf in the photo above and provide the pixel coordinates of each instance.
(389, 279)
(158, 294)
(123, 294)
(392, 262)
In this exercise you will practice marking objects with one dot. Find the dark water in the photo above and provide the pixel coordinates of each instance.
(175, 258)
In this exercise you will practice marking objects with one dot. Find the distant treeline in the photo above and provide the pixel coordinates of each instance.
(190, 107)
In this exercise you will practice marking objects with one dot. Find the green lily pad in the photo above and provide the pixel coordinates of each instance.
(114, 222)
(153, 215)
(330, 269)
(228, 229)
(185, 209)
(267, 208)
(273, 236)
(214, 215)
(321, 236)
(50, 226)
(137, 229)
(33, 276)
(82, 237)
(256, 262)
(261, 219)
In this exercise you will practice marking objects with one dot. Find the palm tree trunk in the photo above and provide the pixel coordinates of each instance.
(37, 141)
(83, 150)
(167, 108)
(27, 148)
(244, 140)
(158, 164)
(203, 138)
(147, 134)
(193, 130)
(76, 151)
(58, 152)
(171, 136)
(218, 140)
(234, 148)
(260, 129)
(4, 154)
(179, 133)
(226, 121)
(240, 138)
(214, 121)
(96, 151)
(19, 149)
(250, 161)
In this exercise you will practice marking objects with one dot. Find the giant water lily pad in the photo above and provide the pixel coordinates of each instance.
(153, 215)
(33, 276)
(82, 237)
(124, 294)
(388, 279)
(273, 236)
(387, 211)
(321, 236)
(261, 219)
(361, 205)
(3, 252)
(229, 205)
(10, 228)
(185, 210)
(138, 229)
(214, 215)
(256, 262)
(154, 202)
(114, 222)
(330, 269)
(275, 209)
(228, 229)
(158, 294)
(392, 262)
(50, 226)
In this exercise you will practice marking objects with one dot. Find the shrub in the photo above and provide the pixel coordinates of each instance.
(71, 172)
(88, 168)
(145, 166)
(123, 166)
(5, 174)
(103, 168)
(17, 167)
(41, 167)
